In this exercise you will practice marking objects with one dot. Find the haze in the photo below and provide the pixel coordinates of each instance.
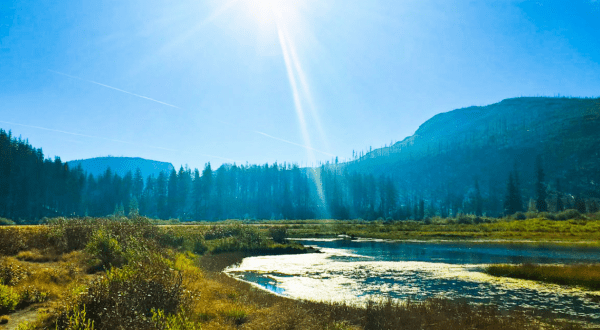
(264, 81)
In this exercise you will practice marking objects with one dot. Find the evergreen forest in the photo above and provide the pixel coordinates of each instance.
(33, 187)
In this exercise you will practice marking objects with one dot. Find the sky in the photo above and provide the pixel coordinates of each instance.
(263, 81)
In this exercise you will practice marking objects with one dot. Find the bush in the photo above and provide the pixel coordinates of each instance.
(547, 215)
(11, 272)
(126, 297)
(278, 234)
(104, 247)
(6, 222)
(9, 299)
(77, 320)
(74, 234)
(178, 321)
(519, 216)
(464, 219)
(569, 214)
(200, 246)
(531, 215)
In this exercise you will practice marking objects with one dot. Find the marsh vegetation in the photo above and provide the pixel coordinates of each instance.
(119, 273)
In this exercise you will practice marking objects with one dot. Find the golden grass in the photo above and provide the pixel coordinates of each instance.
(586, 275)
(36, 255)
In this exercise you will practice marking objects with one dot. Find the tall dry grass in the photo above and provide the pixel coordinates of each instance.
(586, 275)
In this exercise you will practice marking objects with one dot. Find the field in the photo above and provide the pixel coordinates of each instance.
(120, 273)
(580, 230)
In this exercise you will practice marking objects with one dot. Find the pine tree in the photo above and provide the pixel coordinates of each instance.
(559, 202)
(478, 200)
(540, 188)
(172, 195)
(161, 196)
(512, 202)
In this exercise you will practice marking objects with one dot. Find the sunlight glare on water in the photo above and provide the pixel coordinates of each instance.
(339, 275)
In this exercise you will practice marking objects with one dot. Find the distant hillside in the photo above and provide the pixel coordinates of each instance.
(121, 165)
(450, 151)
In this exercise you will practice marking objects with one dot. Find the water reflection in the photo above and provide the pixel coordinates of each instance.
(354, 272)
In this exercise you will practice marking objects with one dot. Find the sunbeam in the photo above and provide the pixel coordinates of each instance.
(293, 68)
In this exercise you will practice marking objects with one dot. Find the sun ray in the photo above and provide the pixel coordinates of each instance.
(290, 68)
(305, 88)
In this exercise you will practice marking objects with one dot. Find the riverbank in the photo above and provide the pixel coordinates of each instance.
(584, 275)
(534, 230)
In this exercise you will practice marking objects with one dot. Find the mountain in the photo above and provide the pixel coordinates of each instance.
(452, 150)
(121, 165)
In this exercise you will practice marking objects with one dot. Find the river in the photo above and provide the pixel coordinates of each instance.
(360, 270)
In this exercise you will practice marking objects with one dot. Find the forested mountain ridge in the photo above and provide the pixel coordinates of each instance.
(121, 166)
(492, 160)
(452, 150)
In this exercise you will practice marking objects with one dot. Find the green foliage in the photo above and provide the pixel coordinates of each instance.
(74, 234)
(125, 297)
(179, 321)
(31, 295)
(106, 248)
(78, 320)
(278, 234)
(6, 222)
(200, 246)
(568, 214)
(9, 299)
(11, 272)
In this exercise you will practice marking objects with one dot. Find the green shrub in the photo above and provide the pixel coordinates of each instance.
(519, 216)
(179, 321)
(171, 239)
(78, 320)
(464, 219)
(125, 297)
(106, 248)
(531, 215)
(9, 299)
(74, 234)
(569, 214)
(547, 215)
(6, 222)
(31, 295)
(11, 272)
(278, 234)
(200, 246)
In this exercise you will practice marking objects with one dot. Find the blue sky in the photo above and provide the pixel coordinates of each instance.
(260, 81)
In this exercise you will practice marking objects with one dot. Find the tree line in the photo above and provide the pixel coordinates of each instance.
(32, 187)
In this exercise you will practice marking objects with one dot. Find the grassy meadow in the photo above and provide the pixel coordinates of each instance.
(535, 227)
(120, 273)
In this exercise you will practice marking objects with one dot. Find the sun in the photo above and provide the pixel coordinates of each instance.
(267, 12)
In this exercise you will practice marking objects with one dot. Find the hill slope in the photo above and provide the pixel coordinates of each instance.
(121, 165)
(451, 150)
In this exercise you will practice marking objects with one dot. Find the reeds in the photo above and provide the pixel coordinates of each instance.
(586, 275)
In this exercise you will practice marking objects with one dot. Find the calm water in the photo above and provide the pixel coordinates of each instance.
(356, 271)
